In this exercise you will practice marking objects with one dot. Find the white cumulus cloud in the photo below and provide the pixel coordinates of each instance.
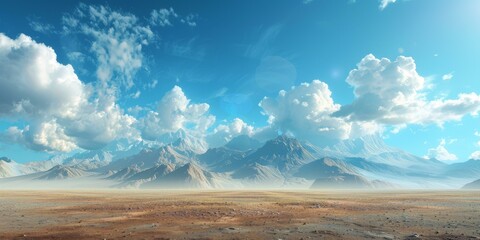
(441, 153)
(393, 93)
(223, 133)
(33, 83)
(175, 112)
(61, 112)
(475, 155)
(306, 112)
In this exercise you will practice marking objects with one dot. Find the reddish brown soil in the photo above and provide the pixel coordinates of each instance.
(130, 214)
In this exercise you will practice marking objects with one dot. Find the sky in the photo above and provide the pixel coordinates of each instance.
(81, 75)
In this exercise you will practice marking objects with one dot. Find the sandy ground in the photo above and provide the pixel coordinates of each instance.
(135, 214)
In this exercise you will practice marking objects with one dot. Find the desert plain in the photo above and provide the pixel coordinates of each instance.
(258, 214)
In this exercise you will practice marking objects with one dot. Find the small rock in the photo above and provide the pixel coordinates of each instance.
(414, 236)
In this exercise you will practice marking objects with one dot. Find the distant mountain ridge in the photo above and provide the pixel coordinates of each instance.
(244, 162)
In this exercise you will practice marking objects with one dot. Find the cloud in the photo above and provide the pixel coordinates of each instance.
(61, 112)
(152, 84)
(190, 20)
(475, 155)
(447, 76)
(76, 56)
(223, 133)
(162, 17)
(43, 136)
(44, 28)
(165, 17)
(117, 39)
(385, 3)
(175, 112)
(33, 83)
(393, 93)
(306, 112)
(441, 153)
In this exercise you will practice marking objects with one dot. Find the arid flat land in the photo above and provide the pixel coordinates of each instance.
(140, 214)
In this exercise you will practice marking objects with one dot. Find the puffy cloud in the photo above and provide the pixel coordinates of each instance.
(162, 17)
(175, 112)
(117, 40)
(62, 113)
(441, 153)
(98, 123)
(223, 133)
(385, 3)
(475, 155)
(306, 112)
(33, 83)
(48, 136)
(391, 93)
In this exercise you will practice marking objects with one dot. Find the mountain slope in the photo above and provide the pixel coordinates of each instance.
(153, 173)
(256, 173)
(125, 173)
(62, 172)
(472, 185)
(149, 158)
(188, 176)
(324, 167)
(221, 159)
(10, 168)
(468, 169)
(342, 181)
(283, 153)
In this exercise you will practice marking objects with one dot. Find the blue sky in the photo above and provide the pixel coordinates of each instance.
(226, 56)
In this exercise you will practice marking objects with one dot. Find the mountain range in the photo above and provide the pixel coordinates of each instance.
(282, 162)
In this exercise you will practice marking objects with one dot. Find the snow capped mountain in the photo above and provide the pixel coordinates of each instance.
(190, 144)
(282, 152)
(89, 160)
(360, 147)
(149, 158)
(243, 143)
(374, 149)
(10, 168)
(41, 166)
(281, 162)
(62, 172)
(184, 142)
(189, 175)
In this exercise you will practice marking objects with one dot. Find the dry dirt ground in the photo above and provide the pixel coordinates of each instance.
(139, 214)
